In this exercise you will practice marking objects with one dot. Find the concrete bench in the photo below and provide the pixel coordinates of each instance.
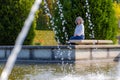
(88, 42)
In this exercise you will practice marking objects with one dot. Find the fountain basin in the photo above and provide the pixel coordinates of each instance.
(48, 54)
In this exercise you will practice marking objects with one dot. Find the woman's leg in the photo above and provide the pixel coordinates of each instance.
(82, 37)
(77, 37)
(72, 38)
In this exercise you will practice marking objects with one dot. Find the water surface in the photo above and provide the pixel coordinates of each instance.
(87, 71)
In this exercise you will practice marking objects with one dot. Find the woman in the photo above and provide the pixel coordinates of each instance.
(79, 30)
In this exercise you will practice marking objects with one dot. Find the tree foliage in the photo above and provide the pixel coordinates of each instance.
(118, 1)
(117, 10)
(12, 16)
(43, 21)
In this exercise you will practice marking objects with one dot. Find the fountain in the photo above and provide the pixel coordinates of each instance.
(88, 16)
(60, 12)
(85, 57)
(47, 11)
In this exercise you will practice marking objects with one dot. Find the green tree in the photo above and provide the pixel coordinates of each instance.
(118, 1)
(43, 21)
(102, 17)
(12, 16)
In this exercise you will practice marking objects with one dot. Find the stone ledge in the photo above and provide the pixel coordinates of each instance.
(63, 47)
(68, 53)
(92, 42)
(40, 47)
(97, 46)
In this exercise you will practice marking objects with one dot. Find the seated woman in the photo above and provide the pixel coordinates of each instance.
(79, 30)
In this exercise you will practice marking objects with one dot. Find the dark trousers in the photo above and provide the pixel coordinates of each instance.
(77, 37)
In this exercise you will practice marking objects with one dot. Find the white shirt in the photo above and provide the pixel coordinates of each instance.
(79, 30)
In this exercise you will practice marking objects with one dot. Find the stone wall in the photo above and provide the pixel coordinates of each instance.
(62, 53)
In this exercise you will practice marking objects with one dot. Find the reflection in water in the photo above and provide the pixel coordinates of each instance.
(106, 71)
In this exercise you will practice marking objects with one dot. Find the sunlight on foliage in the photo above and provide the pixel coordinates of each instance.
(117, 10)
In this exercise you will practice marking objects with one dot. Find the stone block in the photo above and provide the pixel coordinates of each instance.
(2, 53)
(42, 53)
(99, 53)
(82, 54)
(114, 53)
(64, 54)
(24, 54)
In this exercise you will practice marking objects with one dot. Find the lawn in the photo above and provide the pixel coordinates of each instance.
(44, 38)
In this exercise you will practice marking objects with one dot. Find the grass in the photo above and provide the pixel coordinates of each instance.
(44, 38)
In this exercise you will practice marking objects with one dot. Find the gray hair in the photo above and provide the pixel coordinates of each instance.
(82, 21)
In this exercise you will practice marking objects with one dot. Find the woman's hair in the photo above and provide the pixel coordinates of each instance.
(82, 21)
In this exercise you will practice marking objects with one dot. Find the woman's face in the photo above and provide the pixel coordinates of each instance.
(79, 21)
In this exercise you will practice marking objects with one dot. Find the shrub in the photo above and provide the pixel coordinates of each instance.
(12, 16)
(43, 21)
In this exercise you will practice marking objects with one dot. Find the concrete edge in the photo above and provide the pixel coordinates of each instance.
(96, 46)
